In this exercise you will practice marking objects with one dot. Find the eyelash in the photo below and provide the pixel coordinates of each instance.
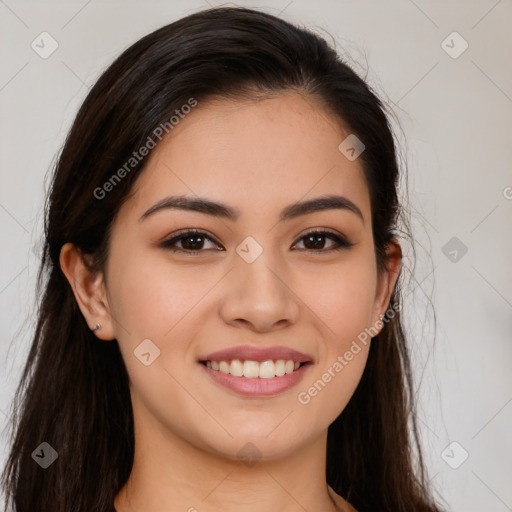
(341, 241)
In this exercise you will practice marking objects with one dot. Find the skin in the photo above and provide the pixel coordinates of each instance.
(258, 156)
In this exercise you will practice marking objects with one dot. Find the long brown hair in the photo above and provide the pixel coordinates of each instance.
(74, 392)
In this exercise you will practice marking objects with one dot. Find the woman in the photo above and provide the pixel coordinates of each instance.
(220, 325)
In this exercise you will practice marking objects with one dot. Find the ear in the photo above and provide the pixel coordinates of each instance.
(386, 281)
(89, 290)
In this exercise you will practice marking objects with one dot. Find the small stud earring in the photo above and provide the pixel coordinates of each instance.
(97, 327)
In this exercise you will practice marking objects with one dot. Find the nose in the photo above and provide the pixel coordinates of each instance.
(259, 296)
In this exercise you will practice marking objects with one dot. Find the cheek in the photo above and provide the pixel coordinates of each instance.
(345, 309)
(163, 303)
(342, 297)
(151, 296)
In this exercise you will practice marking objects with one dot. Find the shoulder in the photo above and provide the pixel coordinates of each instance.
(342, 504)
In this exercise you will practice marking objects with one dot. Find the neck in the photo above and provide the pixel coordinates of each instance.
(171, 474)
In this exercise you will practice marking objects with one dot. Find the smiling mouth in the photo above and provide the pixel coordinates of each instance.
(254, 369)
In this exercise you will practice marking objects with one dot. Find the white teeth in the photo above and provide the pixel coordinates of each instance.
(253, 369)
(280, 368)
(267, 370)
(236, 368)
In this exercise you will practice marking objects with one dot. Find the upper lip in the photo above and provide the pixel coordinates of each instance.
(259, 354)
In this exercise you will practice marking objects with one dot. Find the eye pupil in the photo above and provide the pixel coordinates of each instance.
(317, 241)
(188, 242)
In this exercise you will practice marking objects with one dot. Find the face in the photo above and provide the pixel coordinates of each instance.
(255, 274)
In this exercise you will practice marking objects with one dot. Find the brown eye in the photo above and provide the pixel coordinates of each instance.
(315, 241)
(191, 242)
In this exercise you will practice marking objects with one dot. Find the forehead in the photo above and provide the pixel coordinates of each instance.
(254, 153)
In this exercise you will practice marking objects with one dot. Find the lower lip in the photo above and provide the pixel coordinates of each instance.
(257, 387)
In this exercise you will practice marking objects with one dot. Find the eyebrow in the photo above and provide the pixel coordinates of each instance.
(202, 205)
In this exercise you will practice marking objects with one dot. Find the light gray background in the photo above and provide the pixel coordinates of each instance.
(455, 114)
